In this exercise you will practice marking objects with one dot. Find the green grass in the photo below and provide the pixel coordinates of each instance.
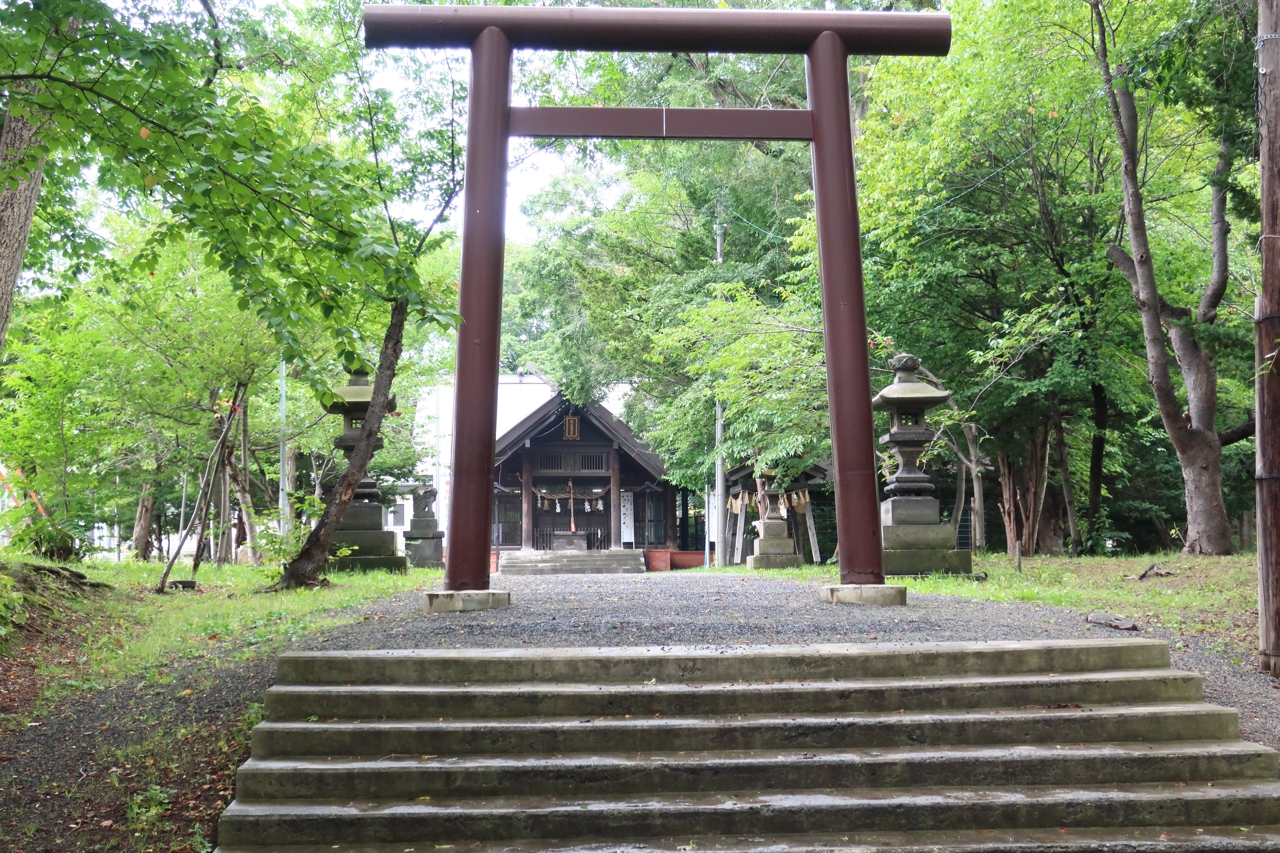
(130, 631)
(1209, 595)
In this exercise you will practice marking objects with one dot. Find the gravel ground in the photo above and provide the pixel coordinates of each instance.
(704, 609)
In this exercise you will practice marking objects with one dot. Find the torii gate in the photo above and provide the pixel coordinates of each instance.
(826, 39)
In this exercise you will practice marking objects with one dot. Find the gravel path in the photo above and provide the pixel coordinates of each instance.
(704, 609)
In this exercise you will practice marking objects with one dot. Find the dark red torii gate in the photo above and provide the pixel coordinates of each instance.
(826, 39)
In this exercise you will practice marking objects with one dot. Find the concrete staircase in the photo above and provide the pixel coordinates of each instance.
(613, 562)
(1047, 746)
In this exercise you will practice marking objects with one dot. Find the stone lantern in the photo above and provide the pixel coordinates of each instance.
(915, 542)
(361, 526)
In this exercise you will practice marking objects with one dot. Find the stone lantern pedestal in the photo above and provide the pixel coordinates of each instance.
(915, 540)
(362, 526)
(424, 541)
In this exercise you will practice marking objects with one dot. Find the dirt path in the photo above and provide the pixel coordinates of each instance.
(147, 765)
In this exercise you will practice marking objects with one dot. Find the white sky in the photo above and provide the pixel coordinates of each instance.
(523, 182)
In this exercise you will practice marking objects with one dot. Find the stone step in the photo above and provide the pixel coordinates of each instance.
(618, 561)
(1140, 839)
(533, 554)
(1234, 803)
(695, 665)
(408, 701)
(1051, 747)
(1114, 723)
(583, 569)
(410, 778)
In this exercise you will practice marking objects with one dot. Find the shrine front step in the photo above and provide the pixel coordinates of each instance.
(1210, 839)
(612, 562)
(963, 747)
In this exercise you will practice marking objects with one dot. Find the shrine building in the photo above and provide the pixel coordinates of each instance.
(572, 477)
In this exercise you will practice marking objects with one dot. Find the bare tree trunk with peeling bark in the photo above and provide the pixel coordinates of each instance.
(1192, 433)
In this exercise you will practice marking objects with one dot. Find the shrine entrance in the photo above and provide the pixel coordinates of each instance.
(826, 39)
(561, 473)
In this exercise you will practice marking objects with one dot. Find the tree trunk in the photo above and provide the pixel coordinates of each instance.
(1008, 503)
(241, 484)
(204, 496)
(1031, 487)
(304, 569)
(203, 530)
(142, 524)
(1097, 454)
(1064, 473)
(1193, 434)
(290, 483)
(240, 480)
(160, 549)
(1267, 314)
(18, 136)
(224, 542)
(979, 513)
(957, 508)
(979, 525)
(1051, 537)
(1208, 527)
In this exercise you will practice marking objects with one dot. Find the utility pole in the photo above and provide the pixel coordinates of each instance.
(284, 458)
(706, 528)
(1267, 383)
(721, 489)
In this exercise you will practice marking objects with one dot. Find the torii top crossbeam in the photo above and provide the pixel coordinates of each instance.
(657, 30)
(826, 39)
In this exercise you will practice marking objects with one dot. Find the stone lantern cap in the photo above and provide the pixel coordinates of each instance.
(907, 391)
(354, 397)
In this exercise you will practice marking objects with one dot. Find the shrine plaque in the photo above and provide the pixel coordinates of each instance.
(628, 517)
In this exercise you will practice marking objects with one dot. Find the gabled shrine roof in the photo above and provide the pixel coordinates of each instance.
(557, 407)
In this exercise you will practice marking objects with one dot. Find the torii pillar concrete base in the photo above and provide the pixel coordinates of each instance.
(882, 595)
(456, 601)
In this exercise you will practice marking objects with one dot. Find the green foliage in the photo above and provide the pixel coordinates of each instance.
(275, 203)
(13, 614)
(146, 809)
(296, 225)
(278, 548)
(264, 161)
(40, 535)
(990, 191)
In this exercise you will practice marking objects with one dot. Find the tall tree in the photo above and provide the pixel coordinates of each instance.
(1267, 464)
(1167, 327)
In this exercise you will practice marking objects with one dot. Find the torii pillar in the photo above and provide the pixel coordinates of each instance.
(826, 39)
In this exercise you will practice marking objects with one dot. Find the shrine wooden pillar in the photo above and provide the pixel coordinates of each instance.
(526, 499)
(615, 499)
(684, 519)
(669, 516)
